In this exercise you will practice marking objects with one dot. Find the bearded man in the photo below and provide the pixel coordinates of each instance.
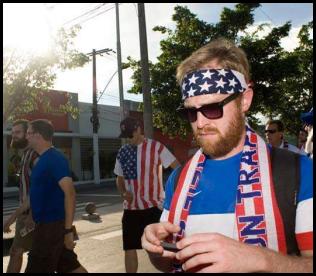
(225, 211)
(24, 223)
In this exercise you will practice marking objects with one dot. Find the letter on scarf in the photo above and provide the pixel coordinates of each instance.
(248, 158)
(248, 180)
(241, 195)
(251, 228)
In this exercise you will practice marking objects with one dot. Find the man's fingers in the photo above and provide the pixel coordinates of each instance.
(202, 237)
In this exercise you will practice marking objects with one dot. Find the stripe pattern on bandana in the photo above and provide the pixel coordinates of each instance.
(258, 219)
(209, 81)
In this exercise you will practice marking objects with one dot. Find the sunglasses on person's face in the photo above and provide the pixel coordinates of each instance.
(210, 111)
(271, 131)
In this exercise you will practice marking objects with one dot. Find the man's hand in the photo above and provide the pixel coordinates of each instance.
(6, 227)
(8, 222)
(128, 196)
(69, 241)
(213, 252)
(154, 234)
(29, 222)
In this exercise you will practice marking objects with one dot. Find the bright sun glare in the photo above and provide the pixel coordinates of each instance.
(26, 27)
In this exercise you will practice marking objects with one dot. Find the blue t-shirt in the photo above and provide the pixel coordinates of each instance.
(46, 196)
(214, 201)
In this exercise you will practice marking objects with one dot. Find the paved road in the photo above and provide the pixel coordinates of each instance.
(100, 245)
(103, 195)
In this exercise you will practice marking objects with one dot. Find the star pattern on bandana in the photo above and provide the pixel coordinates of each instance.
(208, 81)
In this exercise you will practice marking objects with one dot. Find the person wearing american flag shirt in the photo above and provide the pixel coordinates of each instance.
(139, 180)
(222, 213)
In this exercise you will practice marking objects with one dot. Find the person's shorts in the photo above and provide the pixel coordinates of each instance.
(21, 242)
(134, 223)
(48, 253)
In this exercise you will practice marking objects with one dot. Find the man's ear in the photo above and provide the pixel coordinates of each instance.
(246, 100)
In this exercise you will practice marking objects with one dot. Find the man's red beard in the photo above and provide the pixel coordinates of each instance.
(222, 143)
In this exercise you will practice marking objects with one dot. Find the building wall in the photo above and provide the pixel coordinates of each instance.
(74, 136)
(109, 118)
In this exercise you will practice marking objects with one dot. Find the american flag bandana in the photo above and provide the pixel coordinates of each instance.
(258, 219)
(209, 81)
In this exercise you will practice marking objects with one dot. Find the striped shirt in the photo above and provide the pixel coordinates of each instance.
(141, 167)
(27, 162)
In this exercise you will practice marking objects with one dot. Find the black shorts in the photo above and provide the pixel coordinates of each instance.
(134, 223)
(48, 253)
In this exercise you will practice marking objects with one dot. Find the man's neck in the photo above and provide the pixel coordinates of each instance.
(43, 148)
(138, 140)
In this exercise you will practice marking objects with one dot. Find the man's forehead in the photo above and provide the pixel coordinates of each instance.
(17, 127)
(204, 99)
(272, 125)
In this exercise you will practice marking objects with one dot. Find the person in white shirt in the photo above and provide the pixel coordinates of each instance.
(274, 132)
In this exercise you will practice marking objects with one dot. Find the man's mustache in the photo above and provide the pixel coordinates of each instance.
(207, 130)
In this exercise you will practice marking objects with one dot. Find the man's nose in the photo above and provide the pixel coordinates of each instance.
(201, 120)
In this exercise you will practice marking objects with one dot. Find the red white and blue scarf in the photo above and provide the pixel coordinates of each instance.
(258, 219)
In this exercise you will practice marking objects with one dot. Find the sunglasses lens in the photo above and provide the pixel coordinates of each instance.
(271, 131)
(192, 115)
(212, 111)
(209, 111)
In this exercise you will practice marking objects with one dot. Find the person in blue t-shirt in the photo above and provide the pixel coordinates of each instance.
(52, 199)
(223, 212)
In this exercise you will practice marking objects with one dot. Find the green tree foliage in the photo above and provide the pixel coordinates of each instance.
(28, 76)
(282, 80)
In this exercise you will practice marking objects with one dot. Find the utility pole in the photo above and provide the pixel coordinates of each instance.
(95, 119)
(119, 62)
(148, 116)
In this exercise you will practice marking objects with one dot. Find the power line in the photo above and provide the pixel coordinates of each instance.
(267, 16)
(271, 21)
(107, 85)
(84, 14)
(96, 15)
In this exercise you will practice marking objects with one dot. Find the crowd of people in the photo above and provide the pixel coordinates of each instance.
(232, 207)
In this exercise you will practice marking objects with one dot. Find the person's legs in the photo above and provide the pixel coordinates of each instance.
(131, 223)
(19, 246)
(68, 262)
(47, 246)
(15, 261)
(131, 261)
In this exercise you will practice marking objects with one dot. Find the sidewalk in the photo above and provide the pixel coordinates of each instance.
(79, 185)
(100, 248)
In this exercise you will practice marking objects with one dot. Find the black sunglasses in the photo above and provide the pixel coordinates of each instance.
(271, 131)
(210, 111)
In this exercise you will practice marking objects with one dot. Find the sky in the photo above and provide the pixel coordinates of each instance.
(29, 26)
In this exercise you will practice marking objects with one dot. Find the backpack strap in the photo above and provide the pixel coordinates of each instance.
(286, 179)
